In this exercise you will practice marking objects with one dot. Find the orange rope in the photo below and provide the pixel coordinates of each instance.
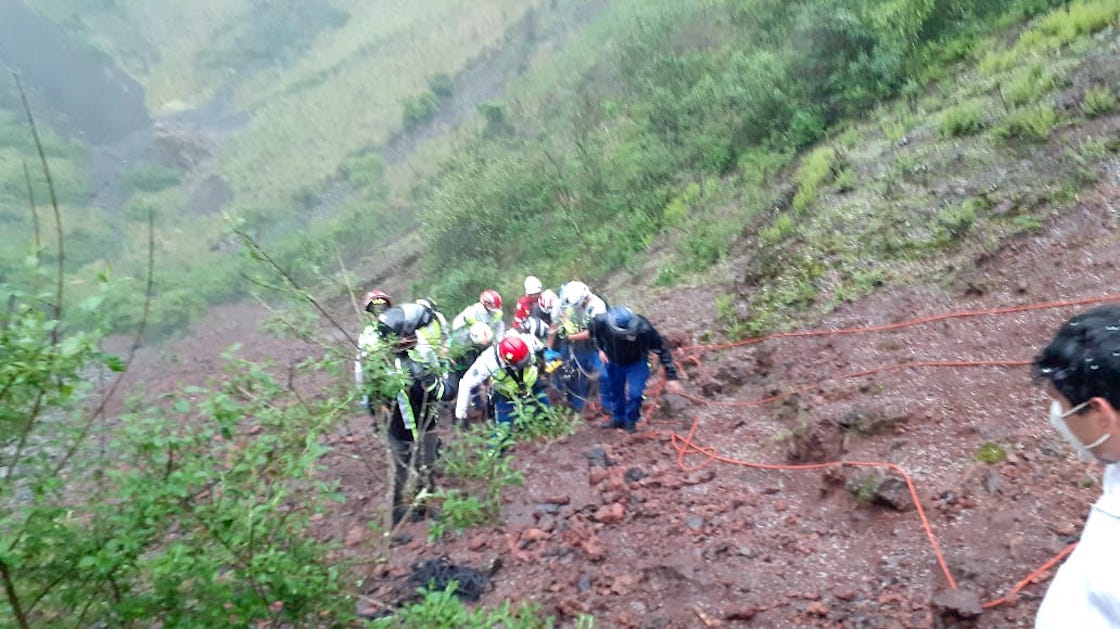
(911, 322)
(1010, 596)
(685, 446)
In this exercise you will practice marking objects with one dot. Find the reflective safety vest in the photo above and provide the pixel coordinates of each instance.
(512, 384)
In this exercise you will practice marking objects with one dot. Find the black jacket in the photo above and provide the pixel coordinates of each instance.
(626, 350)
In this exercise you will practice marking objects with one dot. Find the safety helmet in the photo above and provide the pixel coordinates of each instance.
(622, 320)
(513, 351)
(428, 303)
(376, 301)
(481, 334)
(491, 300)
(573, 293)
(547, 300)
(533, 285)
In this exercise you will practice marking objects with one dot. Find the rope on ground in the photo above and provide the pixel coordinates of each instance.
(686, 445)
(903, 324)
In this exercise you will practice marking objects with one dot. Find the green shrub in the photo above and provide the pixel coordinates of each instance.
(441, 85)
(814, 171)
(1098, 101)
(418, 110)
(990, 453)
(149, 177)
(1027, 86)
(964, 119)
(783, 227)
(1030, 123)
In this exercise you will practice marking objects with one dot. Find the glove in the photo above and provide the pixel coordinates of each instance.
(551, 355)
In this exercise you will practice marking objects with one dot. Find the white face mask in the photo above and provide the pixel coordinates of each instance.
(1058, 421)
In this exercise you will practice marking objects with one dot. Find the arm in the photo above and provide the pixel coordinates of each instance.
(475, 376)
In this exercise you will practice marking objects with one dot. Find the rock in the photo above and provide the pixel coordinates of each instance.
(584, 583)
(559, 500)
(356, 535)
(610, 514)
(547, 507)
(478, 542)
(533, 535)
(634, 474)
(400, 539)
(959, 603)
(598, 457)
(845, 595)
(695, 523)
(817, 608)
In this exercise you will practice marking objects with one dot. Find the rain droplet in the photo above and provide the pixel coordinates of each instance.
(1094, 367)
(1112, 328)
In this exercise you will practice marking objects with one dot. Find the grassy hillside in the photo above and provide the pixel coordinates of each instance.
(833, 143)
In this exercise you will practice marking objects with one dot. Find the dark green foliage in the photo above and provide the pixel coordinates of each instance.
(441, 85)
(149, 177)
(582, 185)
(418, 110)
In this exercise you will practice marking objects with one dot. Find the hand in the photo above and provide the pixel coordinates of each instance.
(675, 387)
(603, 357)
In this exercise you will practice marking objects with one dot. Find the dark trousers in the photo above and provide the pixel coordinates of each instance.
(626, 384)
(413, 470)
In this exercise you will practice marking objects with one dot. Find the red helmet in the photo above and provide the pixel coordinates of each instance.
(513, 351)
(376, 301)
(490, 299)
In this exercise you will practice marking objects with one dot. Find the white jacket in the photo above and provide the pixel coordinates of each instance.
(484, 368)
(1086, 591)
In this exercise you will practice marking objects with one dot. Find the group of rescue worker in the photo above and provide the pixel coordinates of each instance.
(562, 338)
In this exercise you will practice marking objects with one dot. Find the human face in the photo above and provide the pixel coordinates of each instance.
(1088, 427)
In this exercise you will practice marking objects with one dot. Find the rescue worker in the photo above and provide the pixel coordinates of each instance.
(488, 310)
(436, 330)
(574, 310)
(511, 368)
(624, 341)
(524, 308)
(402, 379)
(375, 302)
(539, 320)
(464, 347)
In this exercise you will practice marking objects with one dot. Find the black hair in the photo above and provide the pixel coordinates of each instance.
(1082, 361)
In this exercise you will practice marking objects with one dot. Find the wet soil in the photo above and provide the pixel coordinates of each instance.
(645, 531)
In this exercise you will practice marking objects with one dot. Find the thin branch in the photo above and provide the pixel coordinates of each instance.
(34, 209)
(259, 252)
(13, 598)
(54, 205)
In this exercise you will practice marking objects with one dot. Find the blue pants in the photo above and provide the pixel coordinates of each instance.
(626, 384)
(588, 365)
(504, 406)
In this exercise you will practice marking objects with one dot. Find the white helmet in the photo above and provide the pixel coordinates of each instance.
(532, 285)
(481, 334)
(547, 300)
(573, 293)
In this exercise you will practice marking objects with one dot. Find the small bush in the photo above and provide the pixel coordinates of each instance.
(1032, 123)
(441, 85)
(419, 110)
(148, 177)
(964, 119)
(814, 171)
(1028, 85)
(990, 453)
(782, 228)
(1098, 101)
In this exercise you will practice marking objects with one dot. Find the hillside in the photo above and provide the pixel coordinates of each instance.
(920, 247)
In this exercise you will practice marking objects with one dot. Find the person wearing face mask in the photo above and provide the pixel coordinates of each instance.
(1081, 369)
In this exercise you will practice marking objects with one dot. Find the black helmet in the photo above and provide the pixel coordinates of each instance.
(622, 320)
